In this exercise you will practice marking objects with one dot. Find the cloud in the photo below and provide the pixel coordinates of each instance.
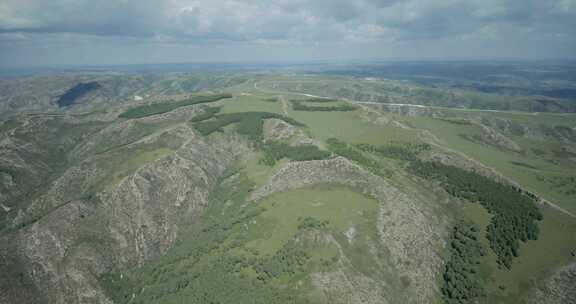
(277, 19)
(286, 22)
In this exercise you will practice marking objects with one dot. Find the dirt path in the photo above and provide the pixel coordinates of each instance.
(285, 105)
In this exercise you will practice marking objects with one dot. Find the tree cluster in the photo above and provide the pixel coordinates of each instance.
(460, 280)
(274, 151)
(515, 216)
(248, 123)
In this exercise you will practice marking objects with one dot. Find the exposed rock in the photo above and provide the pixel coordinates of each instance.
(128, 224)
(277, 129)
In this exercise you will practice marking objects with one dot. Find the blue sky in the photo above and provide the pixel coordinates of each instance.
(48, 32)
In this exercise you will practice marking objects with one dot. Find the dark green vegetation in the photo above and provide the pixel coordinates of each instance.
(76, 92)
(300, 106)
(274, 151)
(460, 278)
(211, 263)
(160, 108)
(251, 124)
(514, 215)
(248, 123)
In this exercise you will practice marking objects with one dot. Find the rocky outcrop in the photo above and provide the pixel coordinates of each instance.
(125, 224)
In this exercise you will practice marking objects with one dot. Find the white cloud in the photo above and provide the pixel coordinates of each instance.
(282, 22)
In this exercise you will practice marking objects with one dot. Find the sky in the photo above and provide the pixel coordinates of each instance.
(95, 32)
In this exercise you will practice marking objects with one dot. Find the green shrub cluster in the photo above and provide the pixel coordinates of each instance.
(208, 113)
(514, 215)
(300, 106)
(248, 123)
(288, 260)
(460, 280)
(274, 151)
(350, 152)
(311, 223)
(160, 108)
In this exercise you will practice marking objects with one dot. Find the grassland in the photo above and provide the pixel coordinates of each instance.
(348, 126)
(341, 208)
